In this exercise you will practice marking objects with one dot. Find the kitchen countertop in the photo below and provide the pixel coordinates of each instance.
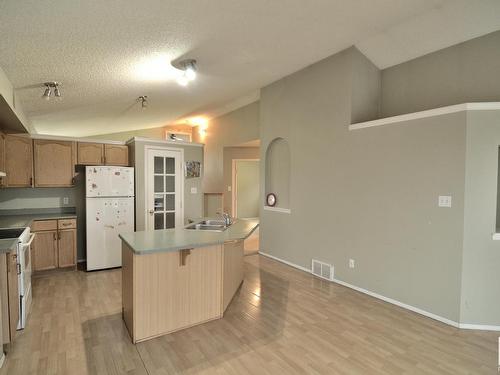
(18, 221)
(14, 220)
(147, 242)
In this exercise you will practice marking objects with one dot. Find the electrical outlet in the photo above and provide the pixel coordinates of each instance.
(444, 201)
(65, 200)
(352, 264)
(194, 190)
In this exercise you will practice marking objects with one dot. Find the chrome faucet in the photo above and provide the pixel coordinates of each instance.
(228, 220)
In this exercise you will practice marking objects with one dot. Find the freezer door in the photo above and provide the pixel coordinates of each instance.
(106, 219)
(109, 181)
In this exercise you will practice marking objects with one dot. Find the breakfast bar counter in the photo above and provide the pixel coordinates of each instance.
(177, 278)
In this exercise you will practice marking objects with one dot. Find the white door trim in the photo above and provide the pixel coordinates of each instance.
(234, 193)
(148, 148)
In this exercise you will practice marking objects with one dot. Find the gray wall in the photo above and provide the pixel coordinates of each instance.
(466, 72)
(481, 254)
(370, 195)
(232, 129)
(277, 172)
(193, 203)
(229, 154)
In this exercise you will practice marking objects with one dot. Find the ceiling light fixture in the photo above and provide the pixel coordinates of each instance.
(187, 69)
(144, 101)
(49, 86)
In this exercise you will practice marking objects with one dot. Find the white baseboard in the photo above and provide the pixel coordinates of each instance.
(479, 327)
(417, 310)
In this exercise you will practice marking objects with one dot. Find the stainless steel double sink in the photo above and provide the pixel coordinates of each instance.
(209, 225)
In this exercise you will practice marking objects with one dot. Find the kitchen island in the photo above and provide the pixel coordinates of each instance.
(177, 278)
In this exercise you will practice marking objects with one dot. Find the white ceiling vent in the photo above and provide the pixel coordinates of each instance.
(323, 270)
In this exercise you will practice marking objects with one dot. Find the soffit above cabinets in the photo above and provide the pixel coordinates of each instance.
(9, 122)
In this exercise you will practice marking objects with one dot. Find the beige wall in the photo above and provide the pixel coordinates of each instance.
(370, 195)
(229, 154)
(466, 72)
(232, 129)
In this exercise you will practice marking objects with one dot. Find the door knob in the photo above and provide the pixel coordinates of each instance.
(151, 212)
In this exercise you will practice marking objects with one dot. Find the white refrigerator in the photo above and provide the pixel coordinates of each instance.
(110, 212)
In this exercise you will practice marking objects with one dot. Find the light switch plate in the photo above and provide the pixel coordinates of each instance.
(65, 200)
(194, 190)
(229, 188)
(352, 263)
(444, 201)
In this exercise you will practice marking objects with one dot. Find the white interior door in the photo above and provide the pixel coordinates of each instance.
(164, 190)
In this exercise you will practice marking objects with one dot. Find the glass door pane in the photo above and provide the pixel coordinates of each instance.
(166, 172)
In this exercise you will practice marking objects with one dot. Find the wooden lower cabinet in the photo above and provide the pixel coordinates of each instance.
(66, 248)
(9, 296)
(54, 248)
(44, 251)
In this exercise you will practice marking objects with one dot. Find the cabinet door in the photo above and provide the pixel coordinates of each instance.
(54, 163)
(67, 248)
(2, 157)
(44, 251)
(90, 153)
(13, 291)
(18, 161)
(116, 155)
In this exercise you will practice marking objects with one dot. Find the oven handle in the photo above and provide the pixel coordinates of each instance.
(32, 237)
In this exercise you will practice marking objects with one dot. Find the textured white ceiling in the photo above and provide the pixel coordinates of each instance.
(104, 52)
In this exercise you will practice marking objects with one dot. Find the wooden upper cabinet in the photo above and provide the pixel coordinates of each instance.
(90, 153)
(116, 155)
(18, 160)
(54, 163)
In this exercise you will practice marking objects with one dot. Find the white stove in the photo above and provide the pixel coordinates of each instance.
(23, 251)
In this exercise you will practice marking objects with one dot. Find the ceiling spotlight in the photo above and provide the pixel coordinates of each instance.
(49, 86)
(144, 101)
(47, 93)
(187, 71)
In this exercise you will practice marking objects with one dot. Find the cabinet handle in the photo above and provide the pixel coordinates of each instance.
(66, 224)
(31, 181)
(55, 237)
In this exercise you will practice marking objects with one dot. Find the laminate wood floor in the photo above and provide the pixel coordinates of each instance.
(282, 321)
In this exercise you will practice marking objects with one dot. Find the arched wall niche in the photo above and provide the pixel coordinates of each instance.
(277, 174)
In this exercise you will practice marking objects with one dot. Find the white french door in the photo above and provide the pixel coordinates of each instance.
(164, 191)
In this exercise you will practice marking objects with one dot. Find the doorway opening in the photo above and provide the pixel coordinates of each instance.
(242, 186)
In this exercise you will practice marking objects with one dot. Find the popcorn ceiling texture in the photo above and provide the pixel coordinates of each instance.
(95, 48)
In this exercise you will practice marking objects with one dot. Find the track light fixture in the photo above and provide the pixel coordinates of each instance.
(187, 71)
(49, 87)
(143, 99)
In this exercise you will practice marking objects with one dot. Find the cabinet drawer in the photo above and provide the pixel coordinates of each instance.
(40, 225)
(67, 223)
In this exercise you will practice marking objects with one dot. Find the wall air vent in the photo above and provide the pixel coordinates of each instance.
(323, 270)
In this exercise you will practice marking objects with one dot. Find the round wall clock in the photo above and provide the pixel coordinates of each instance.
(271, 199)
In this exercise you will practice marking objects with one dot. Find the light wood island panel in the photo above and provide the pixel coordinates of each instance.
(164, 292)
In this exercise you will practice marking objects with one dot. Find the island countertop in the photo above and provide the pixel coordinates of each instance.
(146, 242)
